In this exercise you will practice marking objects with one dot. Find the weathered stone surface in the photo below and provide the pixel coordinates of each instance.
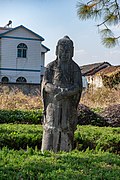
(61, 91)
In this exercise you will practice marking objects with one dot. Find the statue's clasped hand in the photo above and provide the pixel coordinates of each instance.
(61, 95)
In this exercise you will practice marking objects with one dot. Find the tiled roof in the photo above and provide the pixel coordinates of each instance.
(109, 70)
(92, 68)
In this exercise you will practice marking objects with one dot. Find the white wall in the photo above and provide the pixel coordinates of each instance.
(9, 59)
(35, 56)
(9, 54)
(31, 77)
(97, 81)
(89, 79)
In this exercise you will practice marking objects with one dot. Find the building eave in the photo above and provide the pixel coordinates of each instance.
(45, 47)
(21, 26)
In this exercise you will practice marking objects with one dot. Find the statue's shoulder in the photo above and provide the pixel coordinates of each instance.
(76, 66)
(51, 65)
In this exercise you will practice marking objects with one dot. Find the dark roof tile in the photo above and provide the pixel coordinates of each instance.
(91, 69)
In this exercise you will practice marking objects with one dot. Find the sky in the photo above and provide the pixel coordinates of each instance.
(53, 19)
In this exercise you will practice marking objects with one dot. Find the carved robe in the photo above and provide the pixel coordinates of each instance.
(61, 91)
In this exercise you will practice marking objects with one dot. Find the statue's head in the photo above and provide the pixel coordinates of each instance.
(64, 49)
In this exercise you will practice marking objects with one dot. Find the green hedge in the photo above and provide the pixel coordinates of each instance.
(33, 165)
(104, 138)
(20, 116)
(20, 136)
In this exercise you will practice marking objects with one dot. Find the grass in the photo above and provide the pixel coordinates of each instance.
(34, 165)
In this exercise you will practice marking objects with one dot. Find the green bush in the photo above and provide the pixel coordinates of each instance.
(33, 165)
(20, 136)
(20, 116)
(104, 138)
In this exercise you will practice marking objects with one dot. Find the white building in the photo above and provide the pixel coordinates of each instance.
(22, 55)
(89, 71)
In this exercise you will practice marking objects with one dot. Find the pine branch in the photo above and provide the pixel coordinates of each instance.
(109, 10)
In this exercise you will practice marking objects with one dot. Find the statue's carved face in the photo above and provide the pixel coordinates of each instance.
(64, 52)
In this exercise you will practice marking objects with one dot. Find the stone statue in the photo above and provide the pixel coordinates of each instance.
(61, 91)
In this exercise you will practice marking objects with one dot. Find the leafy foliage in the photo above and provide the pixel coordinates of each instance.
(104, 138)
(32, 164)
(20, 136)
(108, 11)
(110, 41)
(21, 116)
(106, 32)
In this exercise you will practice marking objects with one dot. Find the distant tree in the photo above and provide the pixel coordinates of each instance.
(108, 12)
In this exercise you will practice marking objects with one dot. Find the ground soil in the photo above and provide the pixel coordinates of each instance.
(110, 116)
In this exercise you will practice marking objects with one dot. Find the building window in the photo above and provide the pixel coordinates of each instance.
(21, 80)
(4, 79)
(22, 50)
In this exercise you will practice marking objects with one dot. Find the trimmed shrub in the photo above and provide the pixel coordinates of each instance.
(21, 135)
(21, 116)
(104, 138)
(16, 136)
